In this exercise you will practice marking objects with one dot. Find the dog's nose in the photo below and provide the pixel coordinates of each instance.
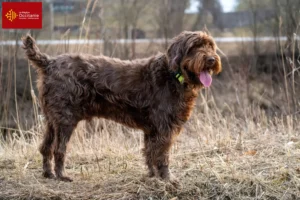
(210, 60)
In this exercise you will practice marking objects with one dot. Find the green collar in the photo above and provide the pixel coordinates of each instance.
(179, 76)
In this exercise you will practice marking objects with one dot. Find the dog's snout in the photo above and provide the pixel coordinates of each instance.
(210, 60)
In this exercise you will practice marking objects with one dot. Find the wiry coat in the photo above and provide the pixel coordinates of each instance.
(143, 94)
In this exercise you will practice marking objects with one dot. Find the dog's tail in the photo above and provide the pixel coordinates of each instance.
(38, 59)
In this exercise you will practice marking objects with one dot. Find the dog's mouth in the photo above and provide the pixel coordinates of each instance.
(205, 78)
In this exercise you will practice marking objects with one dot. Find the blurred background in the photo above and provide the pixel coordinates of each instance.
(258, 42)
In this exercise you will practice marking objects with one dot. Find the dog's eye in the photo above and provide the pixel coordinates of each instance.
(194, 48)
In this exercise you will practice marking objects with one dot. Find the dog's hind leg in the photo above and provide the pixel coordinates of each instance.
(46, 150)
(63, 134)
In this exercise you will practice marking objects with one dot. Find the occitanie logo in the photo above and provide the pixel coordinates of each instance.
(11, 15)
(22, 15)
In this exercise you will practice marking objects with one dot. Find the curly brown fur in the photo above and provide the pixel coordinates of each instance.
(142, 94)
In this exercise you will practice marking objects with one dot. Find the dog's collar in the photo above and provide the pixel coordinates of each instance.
(178, 75)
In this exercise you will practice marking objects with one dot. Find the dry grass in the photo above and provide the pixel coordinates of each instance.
(215, 158)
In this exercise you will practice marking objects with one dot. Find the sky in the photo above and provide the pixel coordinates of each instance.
(228, 6)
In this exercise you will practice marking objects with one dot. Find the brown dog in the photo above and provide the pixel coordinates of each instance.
(154, 94)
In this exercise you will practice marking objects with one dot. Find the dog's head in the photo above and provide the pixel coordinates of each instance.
(193, 55)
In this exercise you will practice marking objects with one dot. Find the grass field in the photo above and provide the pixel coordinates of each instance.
(215, 157)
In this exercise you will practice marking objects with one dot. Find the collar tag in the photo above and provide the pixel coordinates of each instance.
(179, 77)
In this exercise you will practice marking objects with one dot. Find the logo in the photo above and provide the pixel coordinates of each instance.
(11, 15)
(22, 15)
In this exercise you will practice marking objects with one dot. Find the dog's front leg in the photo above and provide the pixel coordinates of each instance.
(157, 147)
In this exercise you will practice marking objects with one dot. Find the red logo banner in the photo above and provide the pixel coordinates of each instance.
(22, 15)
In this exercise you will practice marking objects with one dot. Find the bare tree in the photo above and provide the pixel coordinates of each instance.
(205, 8)
(169, 17)
(128, 13)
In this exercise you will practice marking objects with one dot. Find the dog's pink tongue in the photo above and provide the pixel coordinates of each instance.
(205, 79)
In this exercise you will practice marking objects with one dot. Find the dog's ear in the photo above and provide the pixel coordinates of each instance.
(205, 30)
(176, 51)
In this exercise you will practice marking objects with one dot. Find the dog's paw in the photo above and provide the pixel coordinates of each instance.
(48, 174)
(171, 179)
(151, 174)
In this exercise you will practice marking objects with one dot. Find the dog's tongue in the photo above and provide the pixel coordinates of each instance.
(205, 79)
